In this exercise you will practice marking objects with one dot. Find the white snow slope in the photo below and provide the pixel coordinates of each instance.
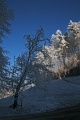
(48, 96)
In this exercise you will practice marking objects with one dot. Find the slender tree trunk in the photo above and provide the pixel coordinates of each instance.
(15, 104)
(22, 78)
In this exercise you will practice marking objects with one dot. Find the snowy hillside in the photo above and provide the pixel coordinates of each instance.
(48, 96)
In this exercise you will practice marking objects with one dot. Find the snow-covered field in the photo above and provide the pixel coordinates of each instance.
(47, 96)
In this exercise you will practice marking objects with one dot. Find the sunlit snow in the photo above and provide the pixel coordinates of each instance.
(47, 96)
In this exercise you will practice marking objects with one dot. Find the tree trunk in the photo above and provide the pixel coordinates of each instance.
(22, 78)
(15, 104)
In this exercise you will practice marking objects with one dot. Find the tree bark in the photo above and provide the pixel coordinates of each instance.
(15, 104)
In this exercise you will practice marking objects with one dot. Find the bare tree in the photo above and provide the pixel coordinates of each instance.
(34, 44)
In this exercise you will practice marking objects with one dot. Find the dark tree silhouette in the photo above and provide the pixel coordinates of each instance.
(6, 15)
(34, 45)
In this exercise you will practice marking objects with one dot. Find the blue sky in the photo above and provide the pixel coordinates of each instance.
(30, 14)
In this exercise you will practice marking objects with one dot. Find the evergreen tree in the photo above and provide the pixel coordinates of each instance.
(6, 15)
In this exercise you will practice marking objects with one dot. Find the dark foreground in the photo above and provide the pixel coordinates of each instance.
(72, 113)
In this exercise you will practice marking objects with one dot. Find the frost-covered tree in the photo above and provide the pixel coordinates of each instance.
(47, 58)
(74, 37)
(34, 45)
(60, 44)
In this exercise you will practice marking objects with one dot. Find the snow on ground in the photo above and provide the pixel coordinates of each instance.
(47, 96)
